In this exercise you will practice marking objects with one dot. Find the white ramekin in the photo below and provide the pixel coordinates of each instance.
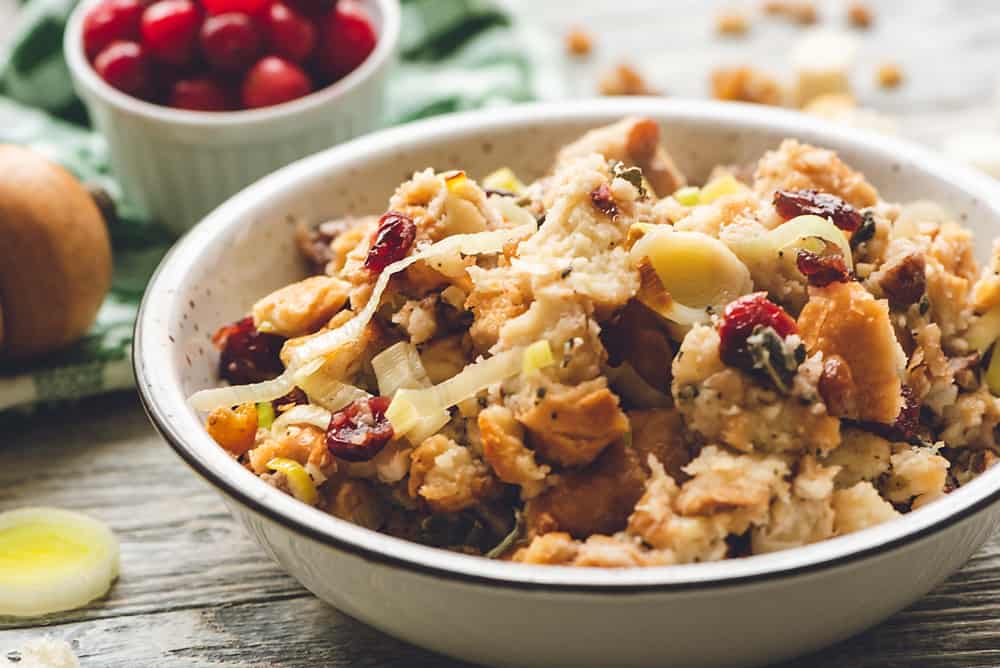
(178, 165)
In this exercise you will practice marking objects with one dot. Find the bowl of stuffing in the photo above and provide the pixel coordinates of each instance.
(593, 383)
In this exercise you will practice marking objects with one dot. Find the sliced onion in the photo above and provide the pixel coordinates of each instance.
(316, 416)
(984, 330)
(801, 228)
(53, 560)
(418, 413)
(233, 395)
(696, 270)
(399, 366)
(468, 244)
(324, 389)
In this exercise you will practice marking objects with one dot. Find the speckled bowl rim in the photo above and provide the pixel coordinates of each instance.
(165, 403)
(247, 119)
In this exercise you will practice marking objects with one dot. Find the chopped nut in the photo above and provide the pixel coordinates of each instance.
(889, 75)
(731, 22)
(860, 15)
(803, 13)
(746, 84)
(579, 42)
(624, 79)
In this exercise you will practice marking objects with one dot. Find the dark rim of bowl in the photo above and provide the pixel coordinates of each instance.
(175, 440)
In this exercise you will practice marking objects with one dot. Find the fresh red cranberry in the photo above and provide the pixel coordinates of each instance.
(792, 203)
(289, 33)
(251, 7)
(603, 200)
(274, 80)
(230, 41)
(198, 94)
(822, 270)
(170, 30)
(348, 38)
(110, 21)
(311, 8)
(393, 240)
(358, 432)
(739, 320)
(124, 66)
(247, 356)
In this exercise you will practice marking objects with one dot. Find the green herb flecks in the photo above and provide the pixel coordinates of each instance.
(510, 539)
(775, 359)
(631, 174)
(866, 232)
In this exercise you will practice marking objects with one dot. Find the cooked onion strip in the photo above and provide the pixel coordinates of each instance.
(302, 414)
(324, 389)
(409, 406)
(399, 366)
(984, 330)
(319, 346)
(697, 272)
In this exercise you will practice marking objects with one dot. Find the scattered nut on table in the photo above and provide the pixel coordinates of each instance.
(889, 75)
(746, 84)
(579, 42)
(798, 11)
(731, 23)
(860, 15)
(624, 79)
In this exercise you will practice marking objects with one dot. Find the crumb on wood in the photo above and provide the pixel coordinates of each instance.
(889, 75)
(624, 79)
(731, 23)
(746, 84)
(799, 11)
(579, 42)
(860, 15)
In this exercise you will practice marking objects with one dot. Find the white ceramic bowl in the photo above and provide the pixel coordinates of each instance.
(740, 612)
(178, 165)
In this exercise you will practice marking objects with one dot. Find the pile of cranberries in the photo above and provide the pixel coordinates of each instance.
(225, 55)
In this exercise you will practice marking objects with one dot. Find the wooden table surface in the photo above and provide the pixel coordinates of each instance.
(195, 591)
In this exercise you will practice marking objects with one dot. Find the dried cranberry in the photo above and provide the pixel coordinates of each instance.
(348, 38)
(110, 21)
(230, 41)
(170, 30)
(822, 270)
(792, 203)
(358, 432)
(738, 323)
(904, 280)
(247, 356)
(393, 240)
(907, 425)
(293, 398)
(603, 200)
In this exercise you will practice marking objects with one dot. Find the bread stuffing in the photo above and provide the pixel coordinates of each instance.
(612, 367)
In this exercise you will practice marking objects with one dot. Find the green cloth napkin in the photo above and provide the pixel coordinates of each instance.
(454, 55)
